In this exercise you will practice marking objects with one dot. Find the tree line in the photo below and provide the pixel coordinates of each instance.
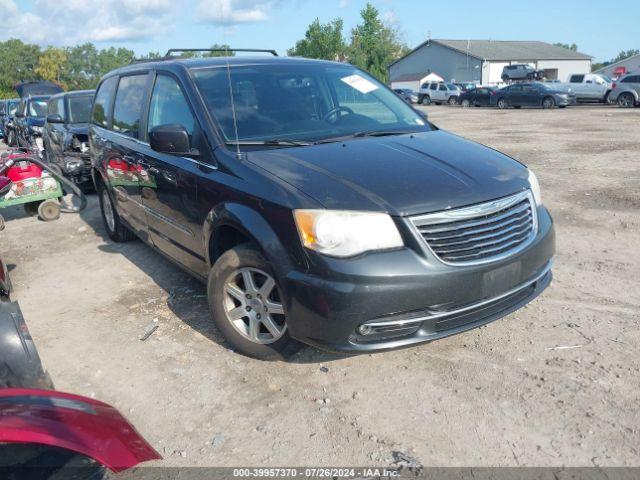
(372, 46)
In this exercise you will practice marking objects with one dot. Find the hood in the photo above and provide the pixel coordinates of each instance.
(402, 175)
(78, 128)
(37, 88)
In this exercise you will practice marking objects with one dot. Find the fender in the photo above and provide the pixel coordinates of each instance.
(74, 423)
(253, 225)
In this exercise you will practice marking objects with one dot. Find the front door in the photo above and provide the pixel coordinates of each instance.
(169, 193)
(54, 132)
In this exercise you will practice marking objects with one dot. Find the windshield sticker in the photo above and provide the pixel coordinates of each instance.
(359, 83)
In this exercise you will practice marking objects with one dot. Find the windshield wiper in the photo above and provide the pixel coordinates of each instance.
(365, 133)
(272, 142)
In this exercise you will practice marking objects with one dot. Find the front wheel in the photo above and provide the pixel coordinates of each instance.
(453, 101)
(502, 104)
(548, 102)
(248, 306)
(426, 100)
(465, 103)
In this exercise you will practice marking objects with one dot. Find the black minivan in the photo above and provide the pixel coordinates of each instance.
(317, 206)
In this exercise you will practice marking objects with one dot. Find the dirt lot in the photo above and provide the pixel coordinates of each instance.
(557, 383)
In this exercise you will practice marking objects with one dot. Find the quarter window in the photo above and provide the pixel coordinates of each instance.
(100, 115)
(127, 110)
(169, 106)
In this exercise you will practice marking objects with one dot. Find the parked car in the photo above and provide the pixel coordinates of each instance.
(626, 91)
(66, 135)
(477, 97)
(520, 71)
(316, 205)
(3, 109)
(31, 113)
(439, 93)
(466, 86)
(590, 87)
(7, 122)
(407, 95)
(532, 95)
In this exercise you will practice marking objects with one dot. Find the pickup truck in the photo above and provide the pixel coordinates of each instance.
(590, 87)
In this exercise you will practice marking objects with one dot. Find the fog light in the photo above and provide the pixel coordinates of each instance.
(365, 330)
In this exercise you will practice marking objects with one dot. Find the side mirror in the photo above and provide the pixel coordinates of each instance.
(55, 118)
(19, 114)
(5, 186)
(171, 139)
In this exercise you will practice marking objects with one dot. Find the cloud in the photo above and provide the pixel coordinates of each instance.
(67, 22)
(234, 12)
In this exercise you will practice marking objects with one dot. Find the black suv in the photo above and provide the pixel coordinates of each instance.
(32, 111)
(520, 71)
(316, 205)
(66, 135)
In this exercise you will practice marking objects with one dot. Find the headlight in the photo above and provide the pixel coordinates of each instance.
(535, 188)
(345, 234)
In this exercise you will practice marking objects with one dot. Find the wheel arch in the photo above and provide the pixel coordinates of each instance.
(231, 224)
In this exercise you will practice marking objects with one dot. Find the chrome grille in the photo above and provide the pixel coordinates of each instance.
(481, 233)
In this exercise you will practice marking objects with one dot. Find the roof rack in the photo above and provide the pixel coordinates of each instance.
(254, 50)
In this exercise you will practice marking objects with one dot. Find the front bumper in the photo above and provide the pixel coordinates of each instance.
(408, 296)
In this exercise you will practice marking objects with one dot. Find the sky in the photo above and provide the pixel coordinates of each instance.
(599, 29)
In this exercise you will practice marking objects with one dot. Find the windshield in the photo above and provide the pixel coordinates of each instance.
(80, 108)
(38, 108)
(451, 86)
(302, 102)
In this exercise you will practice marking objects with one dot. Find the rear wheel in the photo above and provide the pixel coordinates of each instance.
(465, 103)
(453, 101)
(607, 98)
(502, 104)
(114, 226)
(626, 100)
(247, 305)
(548, 102)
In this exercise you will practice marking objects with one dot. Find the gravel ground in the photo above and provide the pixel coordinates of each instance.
(556, 383)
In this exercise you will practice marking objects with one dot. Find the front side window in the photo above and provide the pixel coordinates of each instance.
(301, 102)
(127, 110)
(13, 107)
(169, 106)
(80, 108)
(631, 79)
(53, 107)
(434, 86)
(100, 115)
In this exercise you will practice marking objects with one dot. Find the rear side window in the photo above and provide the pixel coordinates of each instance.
(576, 79)
(169, 106)
(3, 108)
(127, 110)
(103, 102)
(56, 107)
(434, 86)
(632, 79)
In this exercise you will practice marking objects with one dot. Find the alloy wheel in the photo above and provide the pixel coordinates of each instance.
(626, 100)
(253, 305)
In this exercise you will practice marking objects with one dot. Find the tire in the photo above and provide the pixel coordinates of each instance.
(11, 139)
(502, 104)
(607, 98)
(465, 103)
(548, 103)
(626, 100)
(248, 332)
(114, 226)
(49, 210)
(426, 100)
(452, 101)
